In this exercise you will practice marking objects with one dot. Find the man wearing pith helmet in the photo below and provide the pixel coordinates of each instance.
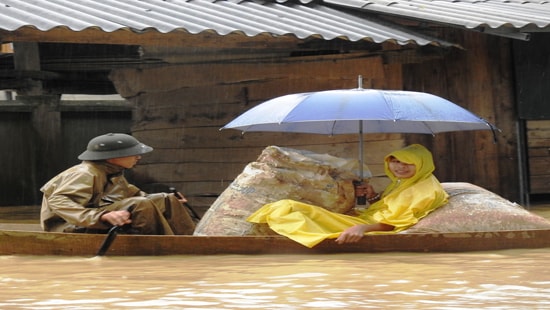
(94, 195)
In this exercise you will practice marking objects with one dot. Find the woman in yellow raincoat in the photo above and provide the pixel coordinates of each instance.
(413, 193)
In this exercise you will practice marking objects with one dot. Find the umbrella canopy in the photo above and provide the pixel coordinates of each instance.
(359, 111)
(346, 111)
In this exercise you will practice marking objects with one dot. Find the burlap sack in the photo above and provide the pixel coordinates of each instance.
(472, 208)
(281, 173)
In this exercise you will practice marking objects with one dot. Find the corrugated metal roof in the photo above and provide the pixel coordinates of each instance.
(250, 18)
(498, 16)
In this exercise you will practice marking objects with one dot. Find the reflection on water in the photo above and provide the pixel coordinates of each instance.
(511, 279)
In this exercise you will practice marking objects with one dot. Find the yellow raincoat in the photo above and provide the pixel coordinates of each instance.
(403, 203)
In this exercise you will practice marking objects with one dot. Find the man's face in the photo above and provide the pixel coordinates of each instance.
(126, 162)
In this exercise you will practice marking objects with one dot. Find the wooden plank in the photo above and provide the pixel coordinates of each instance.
(151, 37)
(289, 75)
(219, 166)
(205, 138)
(27, 58)
(538, 152)
(373, 154)
(208, 137)
(35, 243)
(200, 194)
(476, 99)
(538, 134)
(29, 74)
(539, 166)
(21, 227)
(538, 143)
(473, 156)
(198, 54)
(165, 45)
(19, 150)
(6, 48)
(503, 114)
(537, 125)
(539, 184)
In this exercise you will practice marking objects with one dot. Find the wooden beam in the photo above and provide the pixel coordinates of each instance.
(94, 106)
(15, 84)
(29, 74)
(152, 37)
(27, 58)
(412, 55)
(200, 43)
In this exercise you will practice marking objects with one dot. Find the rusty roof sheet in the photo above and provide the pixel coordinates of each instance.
(303, 19)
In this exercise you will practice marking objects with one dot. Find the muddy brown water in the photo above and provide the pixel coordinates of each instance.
(508, 279)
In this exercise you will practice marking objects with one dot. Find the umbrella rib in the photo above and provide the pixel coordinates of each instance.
(332, 129)
(425, 124)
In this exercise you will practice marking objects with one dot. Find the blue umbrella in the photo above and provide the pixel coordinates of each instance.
(359, 111)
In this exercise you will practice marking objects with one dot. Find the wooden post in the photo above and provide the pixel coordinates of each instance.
(46, 118)
(26, 57)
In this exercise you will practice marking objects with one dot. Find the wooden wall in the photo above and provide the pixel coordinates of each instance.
(531, 66)
(538, 144)
(29, 160)
(180, 109)
(479, 79)
(17, 158)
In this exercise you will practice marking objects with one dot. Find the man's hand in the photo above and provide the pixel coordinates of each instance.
(180, 197)
(118, 218)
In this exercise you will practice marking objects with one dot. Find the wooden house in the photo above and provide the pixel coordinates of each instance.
(183, 69)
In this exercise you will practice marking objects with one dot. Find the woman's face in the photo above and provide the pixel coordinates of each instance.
(400, 169)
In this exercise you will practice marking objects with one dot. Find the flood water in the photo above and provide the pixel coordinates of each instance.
(509, 279)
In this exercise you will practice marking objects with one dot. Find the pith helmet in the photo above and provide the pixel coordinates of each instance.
(113, 145)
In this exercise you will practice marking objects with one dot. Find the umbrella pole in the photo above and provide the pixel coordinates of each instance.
(361, 172)
(361, 200)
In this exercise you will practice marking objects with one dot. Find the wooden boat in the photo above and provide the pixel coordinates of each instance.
(26, 239)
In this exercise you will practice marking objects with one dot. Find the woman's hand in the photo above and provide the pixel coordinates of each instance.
(355, 233)
(352, 234)
(364, 189)
(118, 218)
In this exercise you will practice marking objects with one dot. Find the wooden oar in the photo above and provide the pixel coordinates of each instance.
(111, 235)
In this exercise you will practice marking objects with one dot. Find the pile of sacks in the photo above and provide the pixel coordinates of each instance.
(327, 181)
(472, 208)
(281, 173)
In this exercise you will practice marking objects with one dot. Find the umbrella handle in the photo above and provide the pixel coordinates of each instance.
(361, 200)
